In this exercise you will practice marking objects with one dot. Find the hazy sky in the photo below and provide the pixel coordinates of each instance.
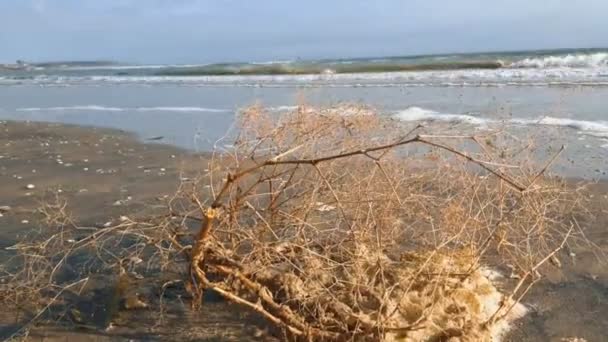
(196, 31)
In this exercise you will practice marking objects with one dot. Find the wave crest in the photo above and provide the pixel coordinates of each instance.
(593, 60)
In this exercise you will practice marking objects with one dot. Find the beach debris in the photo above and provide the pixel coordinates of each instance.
(85, 169)
(162, 169)
(5, 209)
(123, 218)
(118, 203)
(30, 186)
(1, 215)
(133, 302)
(160, 137)
(25, 221)
(83, 190)
(107, 224)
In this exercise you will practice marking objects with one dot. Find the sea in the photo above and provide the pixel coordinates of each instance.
(562, 93)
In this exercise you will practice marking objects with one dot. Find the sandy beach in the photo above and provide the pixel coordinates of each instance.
(103, 174)
(108, 174)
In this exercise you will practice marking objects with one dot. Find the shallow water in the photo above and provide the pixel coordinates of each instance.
(195, 117)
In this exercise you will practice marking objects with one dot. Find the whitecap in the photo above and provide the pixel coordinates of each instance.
(570, 61)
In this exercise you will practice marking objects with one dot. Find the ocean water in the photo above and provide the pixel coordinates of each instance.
(562, 93)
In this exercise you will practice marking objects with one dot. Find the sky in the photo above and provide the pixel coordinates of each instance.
(199, 31)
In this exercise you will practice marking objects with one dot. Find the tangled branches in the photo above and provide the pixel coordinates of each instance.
(338, 224)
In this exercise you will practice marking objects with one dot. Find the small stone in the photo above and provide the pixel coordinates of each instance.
(30, 186)
(123, 218)
(107, 224)
(5, 208)
(85, 169)
(25, 221)
(162, 169)
(59, 191)
(83, 190)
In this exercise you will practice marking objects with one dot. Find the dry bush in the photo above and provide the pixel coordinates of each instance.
(337, 224)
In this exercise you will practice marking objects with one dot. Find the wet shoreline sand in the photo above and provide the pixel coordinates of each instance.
(105, 174)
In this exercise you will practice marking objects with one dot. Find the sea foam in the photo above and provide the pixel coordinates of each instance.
(593, 128)
(572, 61)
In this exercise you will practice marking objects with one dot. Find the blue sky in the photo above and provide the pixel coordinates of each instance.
(197, 31)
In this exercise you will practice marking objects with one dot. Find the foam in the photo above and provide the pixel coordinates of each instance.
(122, 109)
(421, 114)
(572, 61)
(282, 108)
(592, 128)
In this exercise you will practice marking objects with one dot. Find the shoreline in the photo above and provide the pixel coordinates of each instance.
(127, 176)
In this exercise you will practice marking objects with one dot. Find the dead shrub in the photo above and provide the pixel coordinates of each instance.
(338, 224)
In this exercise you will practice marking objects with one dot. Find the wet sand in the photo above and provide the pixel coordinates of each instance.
(105, 174)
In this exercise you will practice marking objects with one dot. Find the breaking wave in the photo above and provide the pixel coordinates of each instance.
(593, 60)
